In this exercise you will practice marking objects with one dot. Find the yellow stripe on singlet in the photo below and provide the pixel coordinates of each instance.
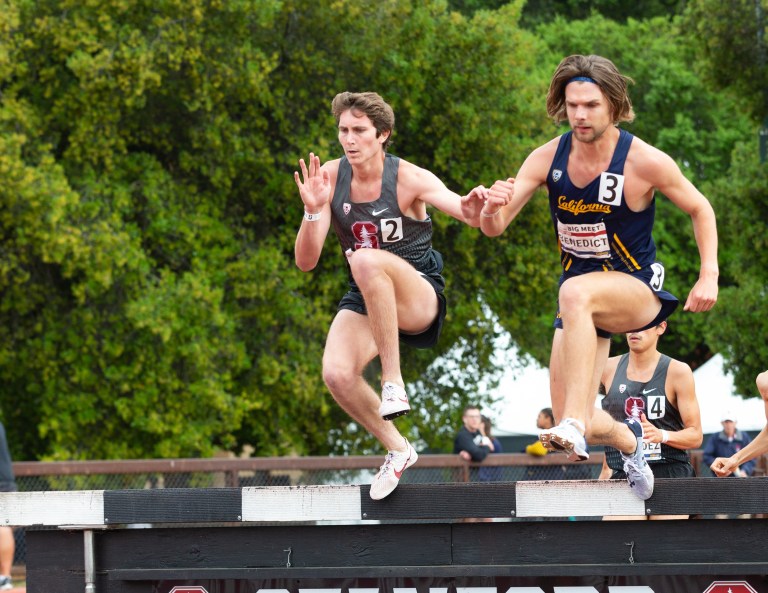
(624, 249)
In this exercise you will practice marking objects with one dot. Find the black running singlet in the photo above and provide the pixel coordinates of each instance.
(381, 225)
(626, 398)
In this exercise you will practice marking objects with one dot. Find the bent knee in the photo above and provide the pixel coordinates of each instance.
(574, 295)
(364, 262)
(338, 378)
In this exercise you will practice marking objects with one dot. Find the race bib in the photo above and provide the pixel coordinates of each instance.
(584, 240)
(657, 406)
(611, 188)
(392, 230)
(652, 451)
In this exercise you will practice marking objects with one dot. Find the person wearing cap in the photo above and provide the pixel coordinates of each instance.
(602, 183)
(726, 466)
(727, 443)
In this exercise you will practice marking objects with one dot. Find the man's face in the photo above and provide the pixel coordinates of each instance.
(642, 341)
(543, 421)
(588, 111)
(472, 420)
(729, 427)
(357, 136)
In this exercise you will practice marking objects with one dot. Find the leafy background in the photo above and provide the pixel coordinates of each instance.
(149, 305)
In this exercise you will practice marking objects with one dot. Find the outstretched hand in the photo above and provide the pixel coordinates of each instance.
(472, 204)
(315, 189)
(499, 195)
(723, 466)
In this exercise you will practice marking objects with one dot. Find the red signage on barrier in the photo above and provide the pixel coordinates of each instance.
(730, 587)
(188, 589)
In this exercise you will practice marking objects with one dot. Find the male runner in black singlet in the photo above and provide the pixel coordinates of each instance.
(378, 206)
(660, 392)
(601, 182)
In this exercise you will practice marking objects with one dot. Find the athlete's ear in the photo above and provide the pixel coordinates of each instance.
(662, 326)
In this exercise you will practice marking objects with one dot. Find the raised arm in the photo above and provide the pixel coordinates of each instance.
(507, 197)
(416, 183)
(314, 185)
(664, 174)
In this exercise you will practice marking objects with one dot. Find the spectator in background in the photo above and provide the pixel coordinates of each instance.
(491, 473)
(470, 443)
(727, 443)
(7, 543)
(723, 466)
(544, 420)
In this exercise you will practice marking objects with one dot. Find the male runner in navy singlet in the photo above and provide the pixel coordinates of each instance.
(601, 182)
(378, 206)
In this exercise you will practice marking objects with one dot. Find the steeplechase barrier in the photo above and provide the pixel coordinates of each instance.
(544, 537)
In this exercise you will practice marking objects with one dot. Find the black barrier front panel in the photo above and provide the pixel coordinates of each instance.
(694, 496)
(617, 584)
(172, 505)
(683, 554)
(460, 501)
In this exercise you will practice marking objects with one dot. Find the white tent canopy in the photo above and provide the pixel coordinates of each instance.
(524, 392)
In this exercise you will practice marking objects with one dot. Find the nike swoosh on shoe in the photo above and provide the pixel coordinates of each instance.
(398, 474)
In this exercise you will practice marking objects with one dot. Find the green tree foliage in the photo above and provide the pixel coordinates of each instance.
(739, 328)
(731, 37)
(150, 306)
(536, 12)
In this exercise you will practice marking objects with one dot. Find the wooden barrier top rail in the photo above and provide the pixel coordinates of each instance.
(412, 502)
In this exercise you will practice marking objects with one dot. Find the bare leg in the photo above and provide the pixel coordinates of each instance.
(612, 301)
(7, 549)
(601, 428)
(349, 348)
(397, 298)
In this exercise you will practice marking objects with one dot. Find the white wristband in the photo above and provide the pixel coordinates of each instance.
(311, 217)
(664, 436)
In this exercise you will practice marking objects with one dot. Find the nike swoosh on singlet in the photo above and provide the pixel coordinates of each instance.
(402, 469)
(645, 391)
(377, 212)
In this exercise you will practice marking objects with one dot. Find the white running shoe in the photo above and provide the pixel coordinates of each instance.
(639, 474)
(566, 437)
(395, 463)
(5, 583)
(394, 401)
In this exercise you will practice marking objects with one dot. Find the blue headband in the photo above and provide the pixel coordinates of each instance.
(581, 79)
